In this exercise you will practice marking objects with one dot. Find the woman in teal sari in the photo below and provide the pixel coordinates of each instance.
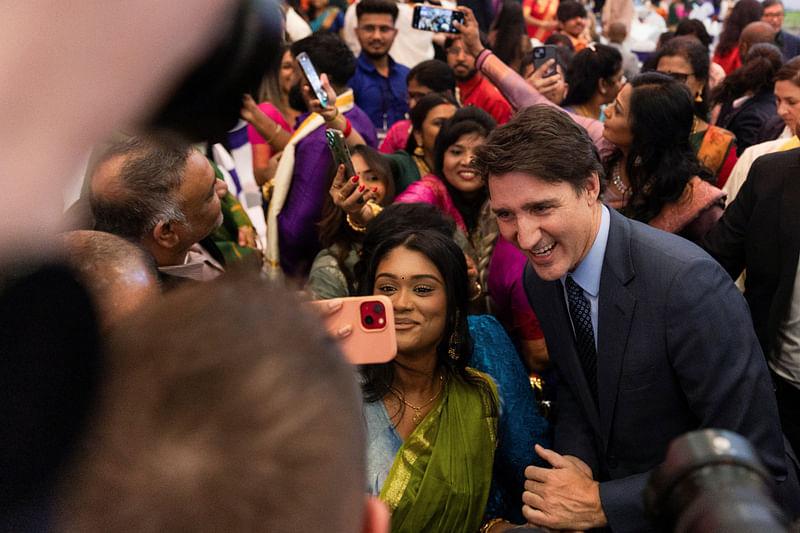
(431, 421)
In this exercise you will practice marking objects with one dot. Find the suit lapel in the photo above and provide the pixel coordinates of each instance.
(615, 316)
(547, 299)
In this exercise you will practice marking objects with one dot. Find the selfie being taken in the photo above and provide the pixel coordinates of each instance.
(370, 266)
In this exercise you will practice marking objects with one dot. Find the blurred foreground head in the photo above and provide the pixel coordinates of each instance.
(120, 276)
(203, 428)
(73, 72)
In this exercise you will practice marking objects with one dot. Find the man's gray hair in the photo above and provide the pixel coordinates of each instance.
(145, 191)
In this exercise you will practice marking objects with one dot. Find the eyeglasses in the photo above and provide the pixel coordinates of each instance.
(678, 76)
(380, 29)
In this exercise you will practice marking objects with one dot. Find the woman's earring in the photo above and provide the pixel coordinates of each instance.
(451, 350)
(454, 341)
(699, 97)
(419, 152)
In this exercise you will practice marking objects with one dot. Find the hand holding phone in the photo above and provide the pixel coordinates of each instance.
(341, 154)
(312, 78)
(540, 56)
(436, 19)
(370, 320)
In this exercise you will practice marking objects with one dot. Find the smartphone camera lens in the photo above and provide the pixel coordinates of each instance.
(368, 320)
(377, 309)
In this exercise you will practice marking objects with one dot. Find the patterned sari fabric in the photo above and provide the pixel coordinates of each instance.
(440, 478)
(716, 149)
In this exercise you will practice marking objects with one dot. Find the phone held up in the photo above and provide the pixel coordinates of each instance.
(341, 154)
(371, 318)
(312, 78)
(433, 18)
(541, 54)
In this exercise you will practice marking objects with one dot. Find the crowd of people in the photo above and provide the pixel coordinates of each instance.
(560, 241)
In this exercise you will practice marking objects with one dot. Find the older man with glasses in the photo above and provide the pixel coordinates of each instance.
(773, 15)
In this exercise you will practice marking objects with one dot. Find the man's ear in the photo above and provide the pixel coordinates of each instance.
(376, 516)
(593, 187)
(164, 234)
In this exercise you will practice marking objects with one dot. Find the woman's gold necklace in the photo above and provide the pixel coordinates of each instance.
(417, 418)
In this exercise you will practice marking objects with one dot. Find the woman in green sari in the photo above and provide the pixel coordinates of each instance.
(431, 421)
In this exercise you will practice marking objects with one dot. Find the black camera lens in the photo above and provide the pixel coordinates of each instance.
(377, 308)
(368, 320)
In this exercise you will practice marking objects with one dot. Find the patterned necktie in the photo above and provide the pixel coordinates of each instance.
(581, 315)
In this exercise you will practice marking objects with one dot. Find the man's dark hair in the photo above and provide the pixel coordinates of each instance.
(542, 141)
(769, 3)
(377, 7)
(434, 74)
(329, 54)
(568, 10)
(448, 42)
(144, 192)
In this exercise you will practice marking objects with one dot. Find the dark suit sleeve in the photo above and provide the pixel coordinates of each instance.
(726, 240)
(718, 369)
(623, 503)
(718, 362)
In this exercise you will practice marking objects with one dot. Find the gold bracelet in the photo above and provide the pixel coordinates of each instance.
(358, 227)
(376, 209)
(491, 523)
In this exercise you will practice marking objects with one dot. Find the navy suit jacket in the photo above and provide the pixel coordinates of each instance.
(676, 352)
(790, 45)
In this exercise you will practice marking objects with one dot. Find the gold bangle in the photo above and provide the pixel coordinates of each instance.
(491, 523)
(376, 209)
(358, 227)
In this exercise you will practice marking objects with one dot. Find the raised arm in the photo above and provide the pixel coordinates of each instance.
(519, 93)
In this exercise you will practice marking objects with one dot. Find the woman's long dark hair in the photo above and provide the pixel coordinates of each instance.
(421, 110)
(587, 68)
(449, 260)
(510, 27)
(742, 14)
(756, 74)
(333, 227)
(465, 121)
(661, 161)
(696, 55)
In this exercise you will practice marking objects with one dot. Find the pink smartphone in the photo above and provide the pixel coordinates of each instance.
(373, 337)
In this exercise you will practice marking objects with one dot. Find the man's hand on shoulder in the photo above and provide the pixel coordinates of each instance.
(563, 497)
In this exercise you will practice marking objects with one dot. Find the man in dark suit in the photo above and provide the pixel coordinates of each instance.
(649, 337)
(773, 15)
(760, 232)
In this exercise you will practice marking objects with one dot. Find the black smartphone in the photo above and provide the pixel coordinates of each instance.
(313, 78)
(434, 18)
(540, 56)
(341, 154)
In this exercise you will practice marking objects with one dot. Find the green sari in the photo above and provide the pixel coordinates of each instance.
(440, 478)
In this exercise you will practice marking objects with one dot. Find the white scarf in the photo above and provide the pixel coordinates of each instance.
(283, 182)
